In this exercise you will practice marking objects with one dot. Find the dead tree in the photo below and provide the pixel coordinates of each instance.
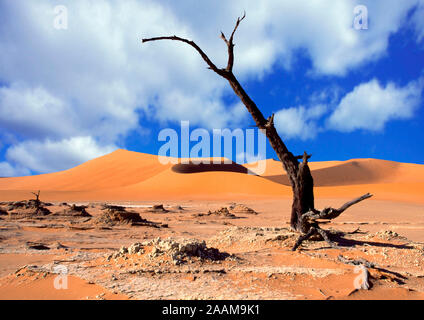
(37, 202)
(299, 174)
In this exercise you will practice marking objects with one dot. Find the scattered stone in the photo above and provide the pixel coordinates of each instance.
(135, 248)
(386, 235)
(114, 215)
(24, 212)
(185, 248)
(112, 207)
(25, 208)
(18, 205)
(100, 296)
(58, 245)
(118, 215)
(254, 236)
(123, 250)
(241, 208)
(223, 212)
(75, 211)
(158, 208)
(280, 237)
(27, 204)
(179, 251)
(357, 262)
(177, 208)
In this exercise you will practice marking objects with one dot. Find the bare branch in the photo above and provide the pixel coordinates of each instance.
(304, 237)
(270, 122)
(230, 44)
(356, 262)
(236, 27)
(37, 195)
(331, 213)
(355, 201)
(211, 65)
(308, 156)
(224, 38)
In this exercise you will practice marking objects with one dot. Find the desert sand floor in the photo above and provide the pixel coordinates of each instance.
(191, 248)
(260, 263)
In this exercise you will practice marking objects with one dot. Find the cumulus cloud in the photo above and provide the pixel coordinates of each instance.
(94, 78)
(299, 122)
(7, 170)
(323, 28)
(200, 109)
(371, 105)
(47, 156)
(34, 113)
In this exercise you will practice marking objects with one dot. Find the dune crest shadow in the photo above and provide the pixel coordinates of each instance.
(191, 167)
(346, 174)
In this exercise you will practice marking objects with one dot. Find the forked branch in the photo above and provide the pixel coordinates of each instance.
(310, 222)
(230, 44)
(37, 196)
(354, 201)
(331, 213)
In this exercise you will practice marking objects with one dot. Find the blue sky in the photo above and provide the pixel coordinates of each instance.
(70, 95)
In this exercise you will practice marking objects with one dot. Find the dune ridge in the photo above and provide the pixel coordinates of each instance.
(127, 175)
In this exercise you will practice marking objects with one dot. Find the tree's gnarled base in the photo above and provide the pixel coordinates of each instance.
(310, 221)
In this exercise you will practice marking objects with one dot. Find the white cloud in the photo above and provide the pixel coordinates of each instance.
(7, 170)
(277, 28)
(299, 122)
(50, 155)
(370, 106)
(34, 113)
(200, 109)
(99, 66)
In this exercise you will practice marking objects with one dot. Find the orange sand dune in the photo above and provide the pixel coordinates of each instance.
(205, 185)
(125, 175)
(120, 168)
(274, 167)
(357, 171)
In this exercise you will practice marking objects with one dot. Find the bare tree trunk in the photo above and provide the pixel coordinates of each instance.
(299, 174)
(303, 195)
(37, 202)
